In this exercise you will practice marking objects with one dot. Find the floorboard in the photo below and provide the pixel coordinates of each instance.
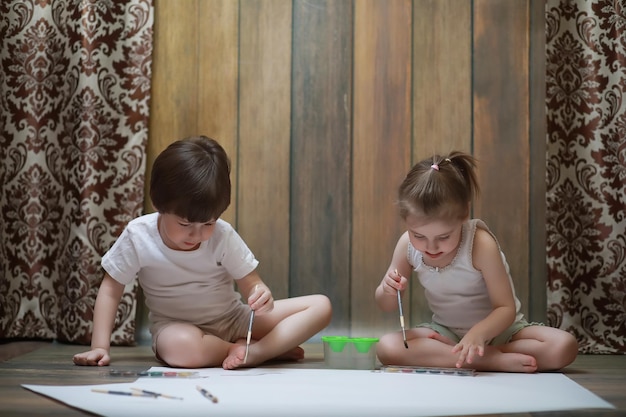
(51, 363)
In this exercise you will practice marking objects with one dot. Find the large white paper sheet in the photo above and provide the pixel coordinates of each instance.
(324, 392)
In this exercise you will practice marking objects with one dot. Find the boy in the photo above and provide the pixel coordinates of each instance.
(186, 259)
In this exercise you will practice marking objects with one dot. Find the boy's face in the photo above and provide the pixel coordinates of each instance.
(437, 240)
(179, 234)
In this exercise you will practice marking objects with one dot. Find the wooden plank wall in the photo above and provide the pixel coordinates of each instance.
(323, 107)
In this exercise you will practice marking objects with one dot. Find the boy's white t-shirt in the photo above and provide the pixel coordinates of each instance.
(192, 286)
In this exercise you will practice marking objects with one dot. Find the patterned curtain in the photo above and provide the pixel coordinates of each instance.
(586, 201)
(74, 96)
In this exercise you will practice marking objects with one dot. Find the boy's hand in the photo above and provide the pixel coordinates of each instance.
(94, 357)
(261, 300)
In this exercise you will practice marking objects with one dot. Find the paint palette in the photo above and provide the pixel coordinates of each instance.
(153, 374)
(422, 370)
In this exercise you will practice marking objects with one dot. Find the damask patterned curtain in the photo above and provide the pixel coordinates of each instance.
(586, 201)
(74, 96)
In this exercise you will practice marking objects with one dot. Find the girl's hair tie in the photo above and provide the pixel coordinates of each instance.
(435, 167)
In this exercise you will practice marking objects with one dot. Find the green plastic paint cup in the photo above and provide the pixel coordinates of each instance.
(363, 344)
(336, 343)
(342, 352)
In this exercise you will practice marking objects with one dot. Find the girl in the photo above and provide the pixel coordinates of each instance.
(476, 320)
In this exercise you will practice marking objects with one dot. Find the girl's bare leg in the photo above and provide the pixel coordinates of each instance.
(427, 348)
(292, 322)
(552, 348)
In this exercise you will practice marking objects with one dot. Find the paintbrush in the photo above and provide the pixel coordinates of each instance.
(156, 394)
(406, 345)
(129, 393)
(249, 336)
(245, 358)
(207, 394)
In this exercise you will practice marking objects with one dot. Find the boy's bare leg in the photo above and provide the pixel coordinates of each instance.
(183, 345)
(279, 333)
(428, 349)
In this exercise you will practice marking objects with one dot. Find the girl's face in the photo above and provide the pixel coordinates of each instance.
(438, 240)
(179, 234)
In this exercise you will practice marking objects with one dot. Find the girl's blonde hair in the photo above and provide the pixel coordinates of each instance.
(441, 188)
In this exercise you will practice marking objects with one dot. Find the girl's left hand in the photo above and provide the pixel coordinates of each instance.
(469, 346)
(261, 300)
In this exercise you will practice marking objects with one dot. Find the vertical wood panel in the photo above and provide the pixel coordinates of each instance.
(320, 189)
(317, 162)
(381, 150)
(174, 101)
(442, 70)
(501, 128)
(537, 301)
(442, 93)
(264, 137)
(217, 80)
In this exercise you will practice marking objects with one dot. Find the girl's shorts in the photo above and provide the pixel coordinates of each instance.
(501, 339)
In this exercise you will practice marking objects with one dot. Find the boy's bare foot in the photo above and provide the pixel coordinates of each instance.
(294, 354)
(237, 353)
(235, 357)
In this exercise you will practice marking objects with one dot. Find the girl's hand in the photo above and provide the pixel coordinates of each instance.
(393, 282)
(97, 356)
(261, 300)
(470, 346)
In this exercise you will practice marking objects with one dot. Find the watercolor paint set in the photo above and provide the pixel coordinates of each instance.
(153, 374)
(422, 370)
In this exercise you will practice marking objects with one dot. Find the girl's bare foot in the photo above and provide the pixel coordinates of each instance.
(497, 361)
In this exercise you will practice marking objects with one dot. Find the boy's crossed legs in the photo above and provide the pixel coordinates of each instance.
(276, 335)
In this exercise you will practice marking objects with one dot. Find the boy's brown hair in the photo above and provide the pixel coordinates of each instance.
(191, 179)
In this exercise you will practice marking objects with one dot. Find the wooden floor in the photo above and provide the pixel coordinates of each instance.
(51, 363)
